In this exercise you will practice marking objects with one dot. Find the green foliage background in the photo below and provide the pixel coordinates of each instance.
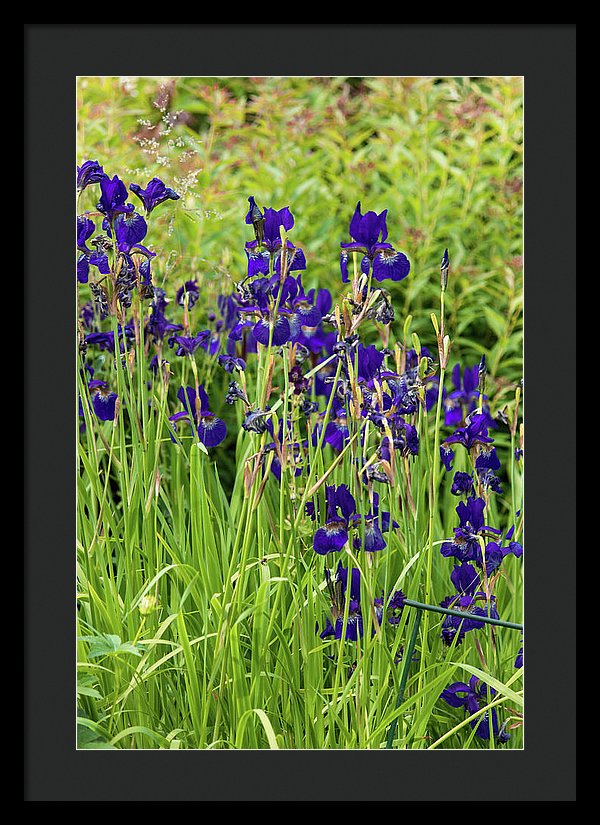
(443, 155)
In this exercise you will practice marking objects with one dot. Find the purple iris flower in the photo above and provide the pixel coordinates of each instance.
(304, 312)
(189, 289)
(405, 439)
(341, 506)
(396, 605)
(231, 363)
(88, 257)
(85, 229)
(342, 587)
(88, 314)
(375, 525)
(339, 590)
(314, 337)
(515, 547)
(495, 553)
(211, 430)
(279, 326)
(465, 578)
(472, 697)
(106, 340)
(464, 396)
(157, 325)
(462, 484)
(475, 432)
(155, 193)
(89, 172)
(486, 464)
(369, 233)
(258, 298)
(297, 380)
(467, 604)
(187, 345)
(465, 546)
(268, 249)
(103, 400)
(258, 421)
(336, 429)
(489, 481)
(519, 657)
(112, 199)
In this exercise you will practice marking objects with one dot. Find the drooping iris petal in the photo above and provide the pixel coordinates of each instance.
(456, 694)
(85, 229)
(130, 229)
(354, 627)
(83, 268)
(337, 433)
(258, 260)
(344, 266)
(104, 403)
(344, 500)
(488, 460)
(330, 538)
(211, 430)
(390, 265)
(305, 315)
(447, 456)
(374, 540)
(465, 579)
(281, 331)
(100, 261)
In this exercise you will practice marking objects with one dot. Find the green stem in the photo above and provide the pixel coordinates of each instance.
(461, 615)
(408, 654)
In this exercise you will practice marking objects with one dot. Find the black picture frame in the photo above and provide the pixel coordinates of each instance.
(55, 54)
